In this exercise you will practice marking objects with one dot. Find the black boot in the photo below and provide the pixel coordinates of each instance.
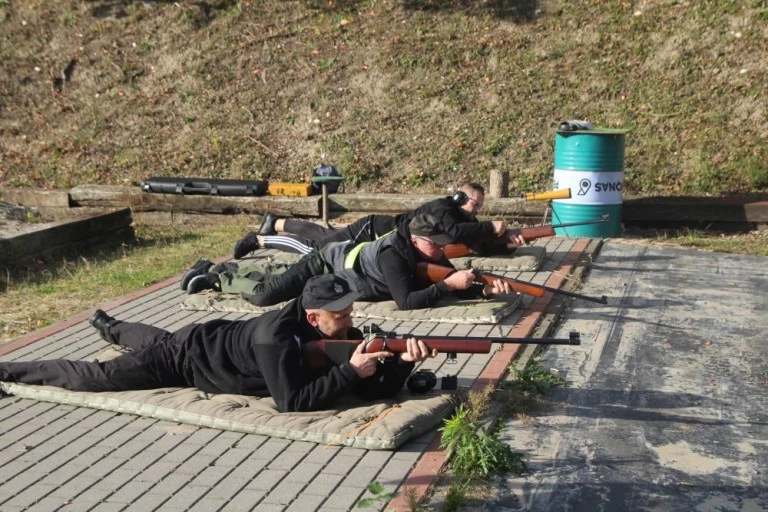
(102, 322)
(267, 227)
(201, 267)
(204, 282)
(245, 245)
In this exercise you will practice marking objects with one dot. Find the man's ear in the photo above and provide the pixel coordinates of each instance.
(312, 318)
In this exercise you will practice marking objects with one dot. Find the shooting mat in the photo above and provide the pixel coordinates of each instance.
(523, 259)
(452, 311)
(375, 425)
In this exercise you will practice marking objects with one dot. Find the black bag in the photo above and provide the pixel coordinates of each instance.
(205, 186)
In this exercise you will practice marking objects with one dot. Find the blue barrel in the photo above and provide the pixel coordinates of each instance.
(591, 164)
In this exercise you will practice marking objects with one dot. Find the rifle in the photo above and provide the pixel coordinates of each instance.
(530, 234)
(436, 273)
(376, 340)
(562, 193)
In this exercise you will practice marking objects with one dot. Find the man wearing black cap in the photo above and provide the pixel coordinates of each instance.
(263, 356)
(382, 270)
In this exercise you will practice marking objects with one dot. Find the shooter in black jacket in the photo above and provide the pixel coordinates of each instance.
(263, 356)
(457, 214)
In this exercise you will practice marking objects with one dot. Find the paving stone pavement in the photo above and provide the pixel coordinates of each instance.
(60, 457)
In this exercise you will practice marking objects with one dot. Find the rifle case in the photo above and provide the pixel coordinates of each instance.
(205, 186)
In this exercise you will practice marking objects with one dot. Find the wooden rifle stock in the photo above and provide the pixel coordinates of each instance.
(529, 234)
(436, 273)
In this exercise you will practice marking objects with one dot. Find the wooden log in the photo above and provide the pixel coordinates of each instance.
(53, 240)
(498, 183)
(35, 197)
(745, 209)
(115, 196)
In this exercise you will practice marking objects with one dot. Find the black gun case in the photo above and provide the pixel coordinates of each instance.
(205, 186)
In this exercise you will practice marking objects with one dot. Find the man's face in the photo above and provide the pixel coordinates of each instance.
(333, 324)
(474, 202)
(427, 248)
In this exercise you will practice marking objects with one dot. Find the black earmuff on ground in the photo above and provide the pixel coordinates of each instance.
(421, 381)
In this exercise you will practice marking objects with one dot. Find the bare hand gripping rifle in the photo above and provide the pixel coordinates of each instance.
(436, 273)
(529, 234)
(377, 340)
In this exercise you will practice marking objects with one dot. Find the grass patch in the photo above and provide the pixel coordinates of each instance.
(44, 295)
(422, 94)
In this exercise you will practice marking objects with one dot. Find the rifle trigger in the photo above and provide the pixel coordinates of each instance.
(450, 357)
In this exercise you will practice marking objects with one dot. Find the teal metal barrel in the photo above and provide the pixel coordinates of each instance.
(591, 164)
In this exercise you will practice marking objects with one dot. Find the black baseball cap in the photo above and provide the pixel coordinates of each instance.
(329, 292)
(428, 226)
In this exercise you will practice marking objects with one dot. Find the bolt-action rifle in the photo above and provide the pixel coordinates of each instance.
(377, 340)
(530, 234)
(433, 273)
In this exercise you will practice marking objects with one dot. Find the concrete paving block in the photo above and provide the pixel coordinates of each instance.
(282, 493)
(150, 501)
(168, 485)
(158, 470)
(246, 499)
(24, 497)
(346, 497)
(128, 492)
(267, 479)
(51, 503)
(17, 476)
(233, 457)
(324, 484)
(212, 475)
(322, 454)
(375, 458)
(192, 467)
(116, 478)
(186, 499)
(207, 504)
(287, 460)
(307, 503)
(228, 487)
(252, 442)
(360, 477)
(342, 464)
(304, 473)
(392, 473)
(108, 506)
(181, 452)
(270, 449)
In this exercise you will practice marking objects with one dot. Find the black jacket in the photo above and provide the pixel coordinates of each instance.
(455, 221)
(398, 261)
(263, 356)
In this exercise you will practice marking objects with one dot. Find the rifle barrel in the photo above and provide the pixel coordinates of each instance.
(574, 338)
(605, 218)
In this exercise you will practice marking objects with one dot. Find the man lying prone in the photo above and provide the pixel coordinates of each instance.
(262, 356)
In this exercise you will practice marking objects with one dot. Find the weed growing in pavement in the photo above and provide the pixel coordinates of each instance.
(380, 495)
(533, 378)
(473, 449)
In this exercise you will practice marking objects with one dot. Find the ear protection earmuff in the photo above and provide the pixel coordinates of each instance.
(460, 198)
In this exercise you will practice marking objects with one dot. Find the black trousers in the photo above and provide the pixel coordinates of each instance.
(155, 361)
(366, 229)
